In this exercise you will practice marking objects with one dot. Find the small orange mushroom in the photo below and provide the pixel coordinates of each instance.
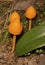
(14, 16)
(15, 28)
(30, 13)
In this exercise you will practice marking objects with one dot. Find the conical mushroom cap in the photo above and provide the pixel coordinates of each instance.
(15, 28)
(14, 16)
(30, 12)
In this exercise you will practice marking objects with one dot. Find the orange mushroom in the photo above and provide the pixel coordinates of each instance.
(15, 28)
(30, 14)
(14, 16)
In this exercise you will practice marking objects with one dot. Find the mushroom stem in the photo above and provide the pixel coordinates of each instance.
(30, 24)
(13, 43)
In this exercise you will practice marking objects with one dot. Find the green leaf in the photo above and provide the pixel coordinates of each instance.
(31, 40)
(5, 33)
(42, 24)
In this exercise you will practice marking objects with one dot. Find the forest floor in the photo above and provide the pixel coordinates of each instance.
(6, 7)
